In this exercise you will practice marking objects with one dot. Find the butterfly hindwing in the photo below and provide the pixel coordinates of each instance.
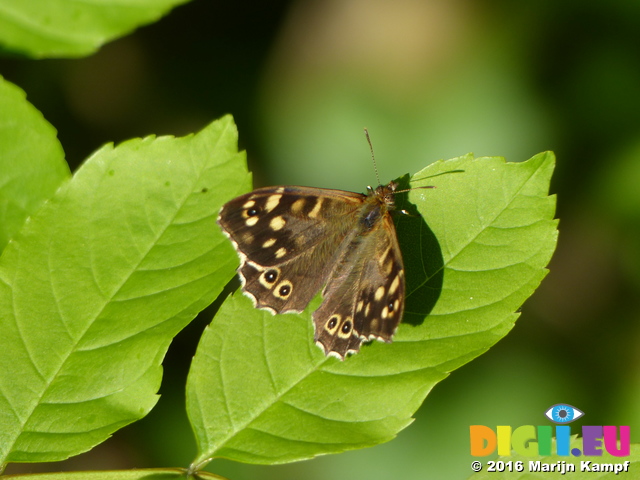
(385, 294)
(364, 297)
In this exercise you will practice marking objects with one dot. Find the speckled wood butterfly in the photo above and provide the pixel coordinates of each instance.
(294, 240)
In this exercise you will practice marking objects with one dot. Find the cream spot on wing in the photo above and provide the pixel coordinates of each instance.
(251, 221)
(388, 267)
(249, 204)
(316, 208)
(379, 294)
(383, 257)
(269, 243)
(247, 238)
(272, 202)
(394, 285)
(374, 324)
(385, 312)
(277, 223)
(298, 205)
(281, 252)
(366, 310)
(360, 306)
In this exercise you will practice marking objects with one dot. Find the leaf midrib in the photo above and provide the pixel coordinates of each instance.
(480, 230)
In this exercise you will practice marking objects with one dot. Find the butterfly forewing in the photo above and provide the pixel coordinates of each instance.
(286, 238)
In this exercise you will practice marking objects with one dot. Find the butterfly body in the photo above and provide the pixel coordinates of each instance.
(293, 241)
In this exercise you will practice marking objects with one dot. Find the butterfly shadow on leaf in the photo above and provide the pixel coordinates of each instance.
(423, 262)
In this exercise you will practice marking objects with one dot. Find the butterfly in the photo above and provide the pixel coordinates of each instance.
(292, 241)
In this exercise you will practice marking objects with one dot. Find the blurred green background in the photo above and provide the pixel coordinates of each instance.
(430, 79)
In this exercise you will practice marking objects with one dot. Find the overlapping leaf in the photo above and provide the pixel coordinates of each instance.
(68, 28)
(100, 279)
(32, 162)
(475, 248)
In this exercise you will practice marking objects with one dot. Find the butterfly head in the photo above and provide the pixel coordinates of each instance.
(384, 194)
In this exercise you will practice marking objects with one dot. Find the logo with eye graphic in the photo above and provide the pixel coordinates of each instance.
(531, 441)
(563, 413)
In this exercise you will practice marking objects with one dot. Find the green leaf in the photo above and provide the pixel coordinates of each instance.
(67, 28)
(97, 283)
(475, 248)
(532, 466)
(32, 164)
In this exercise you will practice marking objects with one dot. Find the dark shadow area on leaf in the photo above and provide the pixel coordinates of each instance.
(423, 262)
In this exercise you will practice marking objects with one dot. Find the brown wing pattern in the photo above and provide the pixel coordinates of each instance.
(287, 238)
(364, 297)
(293, 240)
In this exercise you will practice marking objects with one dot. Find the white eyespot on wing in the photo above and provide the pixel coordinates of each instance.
(283, 290)
(332, 324)
(269, 277)
(346, 328)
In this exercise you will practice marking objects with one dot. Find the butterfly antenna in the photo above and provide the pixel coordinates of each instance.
(428, 176)
(373, 158)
